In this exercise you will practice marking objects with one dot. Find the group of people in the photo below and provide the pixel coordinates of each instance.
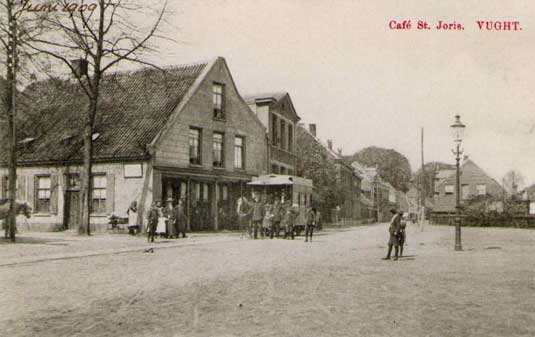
(268, 218)
(397, 235)
(170, 221)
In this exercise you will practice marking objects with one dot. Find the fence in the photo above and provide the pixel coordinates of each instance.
(500, 220)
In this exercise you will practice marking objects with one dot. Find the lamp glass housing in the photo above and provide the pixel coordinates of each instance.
(457, 130)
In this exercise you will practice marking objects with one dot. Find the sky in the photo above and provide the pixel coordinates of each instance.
(365, 84)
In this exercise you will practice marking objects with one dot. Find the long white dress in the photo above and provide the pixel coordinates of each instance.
(160, 229)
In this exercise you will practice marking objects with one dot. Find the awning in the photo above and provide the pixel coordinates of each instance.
(279, 180)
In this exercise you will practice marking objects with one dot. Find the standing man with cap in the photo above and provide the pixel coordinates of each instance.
(394, 230)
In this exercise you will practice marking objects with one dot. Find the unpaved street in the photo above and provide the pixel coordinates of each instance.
(335, 286)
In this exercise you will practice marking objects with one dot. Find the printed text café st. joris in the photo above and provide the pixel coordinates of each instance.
(483, 25)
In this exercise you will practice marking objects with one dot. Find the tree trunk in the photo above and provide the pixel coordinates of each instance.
(10, 105)
(85, 180)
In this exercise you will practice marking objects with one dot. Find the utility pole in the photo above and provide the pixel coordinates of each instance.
(422, 182)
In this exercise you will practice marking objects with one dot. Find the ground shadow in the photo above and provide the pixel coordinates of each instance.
(34, 241)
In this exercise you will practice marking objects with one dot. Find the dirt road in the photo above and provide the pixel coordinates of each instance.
(335, 286)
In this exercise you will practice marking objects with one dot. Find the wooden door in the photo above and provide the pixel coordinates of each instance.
(72, 209)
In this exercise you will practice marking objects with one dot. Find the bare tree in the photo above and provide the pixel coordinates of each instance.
(98, 35)
(16, 29)
(512, 182)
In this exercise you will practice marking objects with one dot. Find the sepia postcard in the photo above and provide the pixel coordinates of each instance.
(218, 168)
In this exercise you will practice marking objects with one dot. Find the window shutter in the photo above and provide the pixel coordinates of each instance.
(32, 193)
(54, 189)
(110, 193)
(21, 187)
(3, 187)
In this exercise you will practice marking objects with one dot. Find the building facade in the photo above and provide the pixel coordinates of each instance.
(278, 115)
(185, 133)
(331, 175)
(474, 183)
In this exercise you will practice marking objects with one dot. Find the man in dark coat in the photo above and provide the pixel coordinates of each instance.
(310, 222)
(257, 216)
(152, 218)
(178, 219)
(394, 230)
(276, 220)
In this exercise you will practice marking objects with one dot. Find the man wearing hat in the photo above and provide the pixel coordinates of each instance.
(394, 231)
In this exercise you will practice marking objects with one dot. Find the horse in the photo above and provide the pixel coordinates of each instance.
(20, 208)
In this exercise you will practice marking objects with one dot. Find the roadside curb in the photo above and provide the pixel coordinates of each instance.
(59, 257)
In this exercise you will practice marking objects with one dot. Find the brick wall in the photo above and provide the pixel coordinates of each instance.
(173, 149)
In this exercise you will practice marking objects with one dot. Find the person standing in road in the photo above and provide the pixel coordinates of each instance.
(290, 213)
(310, 222)
(152, 218)
(394, 229)
(276, 219)
(178, 219)
(257, 216)
(133, 227)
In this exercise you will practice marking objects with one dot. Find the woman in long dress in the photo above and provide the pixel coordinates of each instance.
(160, 229)
(132, 218)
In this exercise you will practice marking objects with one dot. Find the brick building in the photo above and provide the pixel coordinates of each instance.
(185, 132)
(277, 113)
(474, 182)
(318, 161)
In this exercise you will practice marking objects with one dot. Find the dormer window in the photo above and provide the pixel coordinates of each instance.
(218, 94)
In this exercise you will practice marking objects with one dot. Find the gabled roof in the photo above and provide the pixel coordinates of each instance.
(444, 174)
(266, 96)
(134, 108)
(271, 98)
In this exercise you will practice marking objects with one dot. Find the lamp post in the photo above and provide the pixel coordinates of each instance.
(457, 129)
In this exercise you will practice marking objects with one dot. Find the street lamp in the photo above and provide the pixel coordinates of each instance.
(457, 129)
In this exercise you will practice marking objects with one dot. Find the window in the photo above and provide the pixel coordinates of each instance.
(239, 152)
(448, 189)
(274, 169)
(73, 182)
(283, 135)
(195, 146)
(218, 150)
(481, 189)
(98, 204)
(532, 208)
(465, 192)
(43, 195)
(290, 137)
(205, 192)
(6, 188)
(218, 92)
(225, 192)
(274, 128)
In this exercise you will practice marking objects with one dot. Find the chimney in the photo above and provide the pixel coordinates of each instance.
(330, 144)
(312, 129)
(79, 67)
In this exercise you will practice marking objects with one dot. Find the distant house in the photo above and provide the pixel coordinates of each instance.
(474, 182)
(528, 194)
(381, 194)
(159, 136)
(347, 182)
(277, 113)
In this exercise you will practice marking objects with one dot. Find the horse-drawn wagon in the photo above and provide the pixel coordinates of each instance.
(295, 189)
